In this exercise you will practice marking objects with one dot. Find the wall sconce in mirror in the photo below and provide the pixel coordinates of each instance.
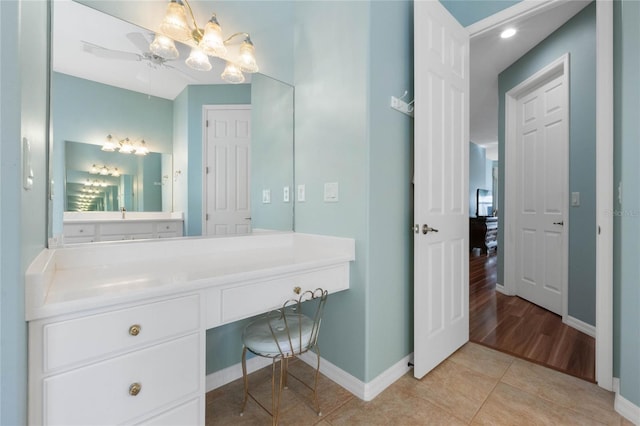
(125, 146)
(204, 43)
(104, 171)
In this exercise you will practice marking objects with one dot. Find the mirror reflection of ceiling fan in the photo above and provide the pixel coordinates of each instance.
(142, 44)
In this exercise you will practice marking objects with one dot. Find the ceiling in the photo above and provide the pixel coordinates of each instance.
(75, 23)
(491, 55)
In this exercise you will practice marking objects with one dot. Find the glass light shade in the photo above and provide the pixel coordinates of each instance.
(174, 23)
(104, 171)
(232, 73)
(126, 147)
(164, 47)
(247, 59)
(142, 149)
(212, 43)
(103, 184)
(115, 173)
(198, 60)
(93, 170)
(109, 145)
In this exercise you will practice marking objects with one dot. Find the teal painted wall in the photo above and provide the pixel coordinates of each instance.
(627, 212)
(86, 111)
(577, 37)
(468, 12)
(271, 152)
(389, 309)
(23, 214)
(332, 145)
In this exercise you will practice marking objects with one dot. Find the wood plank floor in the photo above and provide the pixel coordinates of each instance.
(515, 326)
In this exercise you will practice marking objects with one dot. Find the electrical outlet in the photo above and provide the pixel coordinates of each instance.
(266, 196)
(285, 194)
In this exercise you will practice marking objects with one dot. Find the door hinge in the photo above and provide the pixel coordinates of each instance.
(207, 123)
(206, 216)
(207, 169)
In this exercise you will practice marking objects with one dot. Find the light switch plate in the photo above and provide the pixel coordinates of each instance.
(266, 196)
(27, 170)
(575, 199)
(331, 190)
(285, 194)
(301, 193)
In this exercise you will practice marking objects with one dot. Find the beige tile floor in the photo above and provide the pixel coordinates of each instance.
(476, 385)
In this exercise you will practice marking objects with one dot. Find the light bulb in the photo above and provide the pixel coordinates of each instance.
(247, 59)
(174, 23)
(164, 47)
(198, 60)
(232, 74)
(212, 43)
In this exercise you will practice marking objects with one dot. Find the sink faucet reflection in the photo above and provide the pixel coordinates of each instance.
(123, 211)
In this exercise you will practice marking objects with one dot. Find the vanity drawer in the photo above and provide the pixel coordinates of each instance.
(92, 337)
(190, 413)
(102, 393)
(258, 297)
(167, 227)
(79, 230)
(127, 228)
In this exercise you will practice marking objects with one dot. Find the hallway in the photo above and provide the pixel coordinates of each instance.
(517, 327)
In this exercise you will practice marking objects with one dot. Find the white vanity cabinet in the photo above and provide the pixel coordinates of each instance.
(118, 230)
(117, 331)
(142, 364)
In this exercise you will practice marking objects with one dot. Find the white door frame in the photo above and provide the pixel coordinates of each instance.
(604, 167)
(559, 67)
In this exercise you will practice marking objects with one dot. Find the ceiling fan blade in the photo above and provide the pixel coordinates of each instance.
(139, 41)
(103, 52)
(182, 73)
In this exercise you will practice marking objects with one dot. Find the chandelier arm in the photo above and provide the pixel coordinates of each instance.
(228, 40)
(193, 18)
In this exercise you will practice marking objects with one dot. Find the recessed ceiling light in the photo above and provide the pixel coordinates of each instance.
(509, 32)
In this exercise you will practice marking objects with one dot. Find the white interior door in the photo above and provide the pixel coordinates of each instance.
(441, 258)
(542, 145)
(227, 137)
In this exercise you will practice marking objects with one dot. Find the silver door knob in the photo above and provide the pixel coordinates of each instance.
(415, 228)
(426, 228)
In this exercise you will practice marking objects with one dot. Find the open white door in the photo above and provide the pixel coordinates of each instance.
(441, 238)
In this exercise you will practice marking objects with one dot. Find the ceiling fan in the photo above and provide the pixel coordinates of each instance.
(142, 43)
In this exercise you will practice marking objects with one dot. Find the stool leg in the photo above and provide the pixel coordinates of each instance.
(276, 403)
(245, 379)
(315, 383)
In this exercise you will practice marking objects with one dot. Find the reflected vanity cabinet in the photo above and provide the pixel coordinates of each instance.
(137, 364)
(93, 231)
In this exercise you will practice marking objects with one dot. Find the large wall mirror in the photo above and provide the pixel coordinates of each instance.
(106, 86)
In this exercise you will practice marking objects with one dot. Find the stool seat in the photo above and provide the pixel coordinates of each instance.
(269, 337)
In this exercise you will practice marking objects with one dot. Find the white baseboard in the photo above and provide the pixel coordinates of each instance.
(500, 289)
(623, 406)
(580, 325)
(364, 391)
(229, 374)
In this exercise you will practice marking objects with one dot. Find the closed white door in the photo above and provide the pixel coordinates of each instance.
(541, 138)
(227, 137)
(441, 255)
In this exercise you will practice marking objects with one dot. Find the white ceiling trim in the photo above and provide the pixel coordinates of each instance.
(522, 10)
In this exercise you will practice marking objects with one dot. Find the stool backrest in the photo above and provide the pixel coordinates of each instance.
(300, 331)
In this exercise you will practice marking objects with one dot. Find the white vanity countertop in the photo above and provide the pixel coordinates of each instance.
(64, 280)
(84, 217)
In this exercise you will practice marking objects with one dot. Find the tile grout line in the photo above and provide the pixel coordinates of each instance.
(491, 392)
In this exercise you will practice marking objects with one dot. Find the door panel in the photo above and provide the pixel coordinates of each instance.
(541, 138)
(228, 160)
(441, 286)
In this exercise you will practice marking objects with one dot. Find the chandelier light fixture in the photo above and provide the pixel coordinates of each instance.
(125, 146)
(104, 171)
(204, 42)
